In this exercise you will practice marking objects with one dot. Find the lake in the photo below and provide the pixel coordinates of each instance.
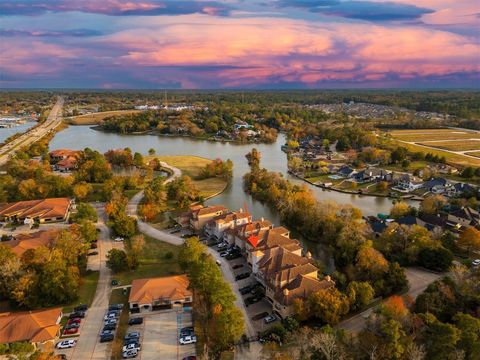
(20, 128)
(273, 158)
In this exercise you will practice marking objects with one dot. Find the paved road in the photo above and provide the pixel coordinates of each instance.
(54, 119)
(88, 346)
(418, 280)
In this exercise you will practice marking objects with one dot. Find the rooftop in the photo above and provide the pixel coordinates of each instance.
(173, 288)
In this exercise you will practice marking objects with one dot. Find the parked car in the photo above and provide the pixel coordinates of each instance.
(110, 327)
(188, 340)
(115, 306)
(118, 239)
(218, 262)
(238, 266)
(224, 254)
(70, 331)
(259, 316)
(269, 319)
(190, 358)
(61, 357)
(92, 253)
(82, 307)
(110, 316)
(77, 314)
(135, 321)
(131, 346)
(242, 276)
(130, 354)
(186, 331)
(66, 344)
(130, 341)
(115, 282)
(252, 300)
(246, 289)
(233, 256)
(476, 262)
(222, 245)
(106, 332)
(110, 322)
(93, 246)
(107, 338)
(132, 335)
(72, 326)
(73, 321)
(186, 236)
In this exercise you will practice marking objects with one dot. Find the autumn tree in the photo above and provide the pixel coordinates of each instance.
(433, 204)
(470, 239)
(135, 251)
(400, 209)
(360, 294)
(253, 158)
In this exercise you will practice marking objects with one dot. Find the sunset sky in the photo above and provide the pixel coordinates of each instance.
(118, 44)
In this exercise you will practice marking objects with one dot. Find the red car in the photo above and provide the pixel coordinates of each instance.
(74, 321)
(70, 331)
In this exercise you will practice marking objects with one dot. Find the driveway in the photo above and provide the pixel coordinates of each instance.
(418, 280)
(88, 346)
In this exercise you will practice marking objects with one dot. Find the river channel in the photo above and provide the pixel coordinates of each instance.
(273, 158)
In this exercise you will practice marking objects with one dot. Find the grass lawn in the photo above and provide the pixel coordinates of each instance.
(433, 134)
(457, 145)
(192, 166)
(154, 262)
(323, 179)
(86, 292)
(131, 193)
(95, 118)
(474, 153)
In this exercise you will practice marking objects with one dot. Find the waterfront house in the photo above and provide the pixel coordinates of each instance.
(199, 215)
(159, 293)
(464, 217)
(436, 185)
(406, 182)
(215, 227)
(346, 171)
(461, 189)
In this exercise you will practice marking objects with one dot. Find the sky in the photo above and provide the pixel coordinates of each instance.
(232, 44)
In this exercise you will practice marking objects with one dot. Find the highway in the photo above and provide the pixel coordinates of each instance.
(54, 119)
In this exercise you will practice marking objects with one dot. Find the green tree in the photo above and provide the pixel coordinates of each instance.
(360, 294)
(10, 271)
(117, 260)
(138, 159)
(124, 225)
(84, 211)
(253, 158)
(470, 334)
(328, 305)
(135, 251)
(438, 258)
(441, 339)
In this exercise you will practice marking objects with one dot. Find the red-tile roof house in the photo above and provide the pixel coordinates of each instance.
(163, 292)
(36, 327)
(60, 154)
(24, 242)
(217, 226)
(45, 210)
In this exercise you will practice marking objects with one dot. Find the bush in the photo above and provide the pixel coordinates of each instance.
(438, 259)
(117, 260)
(168, 255)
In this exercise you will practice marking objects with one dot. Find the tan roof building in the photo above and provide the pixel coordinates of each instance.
(24, 242)
(34, 326)
(197, 217)
(60, 154)
(148, 294)
(45, 210)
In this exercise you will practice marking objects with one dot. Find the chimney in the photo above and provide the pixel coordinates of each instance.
(286, 292)
(328, 278)
(308, 255)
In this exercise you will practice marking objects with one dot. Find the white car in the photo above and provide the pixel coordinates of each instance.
(110, 316)
(110, 322)
(222, 245)
(476, 262)
(129, 354)
(118, 239)
(133, 346)
(66, 344)
(188, 340)
(269, 319)
(224, 253)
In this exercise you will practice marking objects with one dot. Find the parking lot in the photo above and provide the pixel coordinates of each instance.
(159, 335)
(257, 305)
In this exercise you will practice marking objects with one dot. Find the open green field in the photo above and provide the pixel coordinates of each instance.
(95, 118)
(159, 259)
(192, 166)
(454, 145)
(433, 134)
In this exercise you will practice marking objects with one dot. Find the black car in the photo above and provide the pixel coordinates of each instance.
(233, 256)
(107, 338)
(81, 307)
(242, 276)
(135, 321)
(110, 327)
(130, 341)
(187, 331)
(77, 314)
(246, 289)
(238, 266)
(252, 300)
(92, 253)
(186, 236)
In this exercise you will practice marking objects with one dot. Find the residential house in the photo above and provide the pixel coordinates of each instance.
(411, 220)
(216, 227)
(346, 171)
(461, 189)
(464, 217)
(24, 242)
(238, 236)
(60, 154)
(159, 293)
(198, 216)
(436, 185)
(36, 327)
(41, 211)
(371, 174)
(406, 182)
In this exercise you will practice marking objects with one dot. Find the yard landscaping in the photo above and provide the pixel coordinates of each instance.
(95, 118)
(159, 259)
(192, 166)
